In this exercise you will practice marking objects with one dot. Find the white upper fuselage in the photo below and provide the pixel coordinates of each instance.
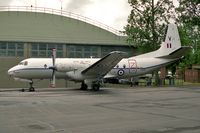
(37, 68)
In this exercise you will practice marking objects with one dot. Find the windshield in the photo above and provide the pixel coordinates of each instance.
(24, 63)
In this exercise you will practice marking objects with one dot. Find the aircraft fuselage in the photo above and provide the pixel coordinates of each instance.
(66, 67)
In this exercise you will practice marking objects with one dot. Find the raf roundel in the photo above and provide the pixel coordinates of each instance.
(121, 72)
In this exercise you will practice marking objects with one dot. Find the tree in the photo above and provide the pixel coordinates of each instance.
(189, 23)
(147, 22)
(189, 12)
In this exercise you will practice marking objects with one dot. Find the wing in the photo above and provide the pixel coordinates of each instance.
(104, 65)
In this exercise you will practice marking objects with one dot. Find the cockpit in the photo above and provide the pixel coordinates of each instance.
(24, 63)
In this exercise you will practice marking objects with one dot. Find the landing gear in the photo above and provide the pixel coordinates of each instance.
(95, 87)
(84, 86)
(31, 89)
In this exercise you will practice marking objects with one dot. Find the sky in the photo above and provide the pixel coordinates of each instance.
(113, 13)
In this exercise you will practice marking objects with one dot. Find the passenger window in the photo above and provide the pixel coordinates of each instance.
(117, 66)
(124, 66)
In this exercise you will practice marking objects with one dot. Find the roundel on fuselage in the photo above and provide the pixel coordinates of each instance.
(120, 72)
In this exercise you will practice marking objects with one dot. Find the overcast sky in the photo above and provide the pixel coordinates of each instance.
(113, 13)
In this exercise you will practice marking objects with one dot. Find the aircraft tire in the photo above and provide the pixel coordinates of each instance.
(31, 89)
(84, 86)
(95, 87)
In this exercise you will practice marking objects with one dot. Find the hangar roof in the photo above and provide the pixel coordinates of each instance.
(45, 27)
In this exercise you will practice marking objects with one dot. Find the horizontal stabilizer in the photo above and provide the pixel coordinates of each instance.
(177, 53)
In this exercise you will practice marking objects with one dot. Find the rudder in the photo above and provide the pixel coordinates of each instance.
(172, 40)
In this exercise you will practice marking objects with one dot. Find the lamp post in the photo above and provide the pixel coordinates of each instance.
(35, 3)
(194, 39)
(61, 1)
(196, 34)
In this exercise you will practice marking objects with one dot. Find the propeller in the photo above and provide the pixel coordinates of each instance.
(53, 67)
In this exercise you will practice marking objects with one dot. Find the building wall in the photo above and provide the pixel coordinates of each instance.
(42, 27)
(37, 49)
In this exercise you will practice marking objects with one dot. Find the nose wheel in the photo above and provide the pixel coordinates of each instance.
(31, 89)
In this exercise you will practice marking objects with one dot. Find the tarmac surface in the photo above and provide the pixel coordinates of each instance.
(111, 110)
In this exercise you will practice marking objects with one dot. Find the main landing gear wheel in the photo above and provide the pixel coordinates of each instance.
(84, 86)
(96, 87)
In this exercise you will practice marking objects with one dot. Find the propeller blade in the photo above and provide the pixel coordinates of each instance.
(53, 78)
(54, 56)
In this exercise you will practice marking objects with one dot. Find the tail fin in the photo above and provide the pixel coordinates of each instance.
(170, 48)
(172, 41)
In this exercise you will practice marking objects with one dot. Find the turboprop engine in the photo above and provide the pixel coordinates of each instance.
(63, 67)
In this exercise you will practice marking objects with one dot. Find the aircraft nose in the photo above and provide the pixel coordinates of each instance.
(11, 72)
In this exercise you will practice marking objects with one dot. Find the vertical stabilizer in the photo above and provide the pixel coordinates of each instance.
(172, 41)
(170, 48)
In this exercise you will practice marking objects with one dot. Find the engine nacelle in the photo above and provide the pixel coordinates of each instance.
(64, 68)
(75, 75)
(23, 80)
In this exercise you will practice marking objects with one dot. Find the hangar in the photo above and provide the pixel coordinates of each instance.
(33, 31)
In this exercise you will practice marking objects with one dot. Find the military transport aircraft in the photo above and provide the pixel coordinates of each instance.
(91, 71)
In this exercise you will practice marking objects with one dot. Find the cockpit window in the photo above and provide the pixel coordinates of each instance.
(21, 63)
(25, 63)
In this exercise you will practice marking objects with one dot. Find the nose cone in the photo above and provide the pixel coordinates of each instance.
(11, 72)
